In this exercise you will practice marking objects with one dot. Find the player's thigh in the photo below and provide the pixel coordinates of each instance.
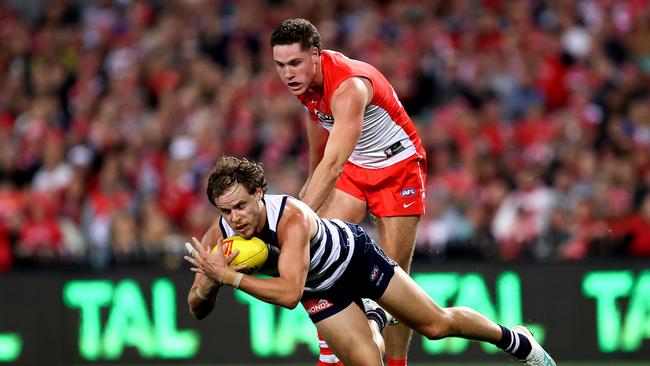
(420, 312)
(397, 237)
(343, 206)
(349, 336)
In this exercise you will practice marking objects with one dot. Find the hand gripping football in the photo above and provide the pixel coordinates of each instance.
(252, 252)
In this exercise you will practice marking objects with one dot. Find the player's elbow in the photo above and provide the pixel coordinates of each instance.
(335, 167)
(198, 315)
(291, 300)
(291, 303)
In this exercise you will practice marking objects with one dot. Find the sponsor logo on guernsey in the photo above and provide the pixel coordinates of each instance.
(374, 273)
(317, 305)
(408, 192)
(322, 117)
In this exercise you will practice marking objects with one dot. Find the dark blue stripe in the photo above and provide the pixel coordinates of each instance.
(223, 229)
(284, 202)
(343, 254)
(326, 253)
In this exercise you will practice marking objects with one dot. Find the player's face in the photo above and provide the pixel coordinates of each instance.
(297, 68)
(242, 210)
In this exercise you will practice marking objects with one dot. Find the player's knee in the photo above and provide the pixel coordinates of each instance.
(439, 327)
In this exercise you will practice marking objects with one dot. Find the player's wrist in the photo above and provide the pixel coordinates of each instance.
(231, 278)
(207, 289)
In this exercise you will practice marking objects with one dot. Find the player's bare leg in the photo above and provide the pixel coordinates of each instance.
(426, 317)
(397, 238)
(343, 206)
(350, 337)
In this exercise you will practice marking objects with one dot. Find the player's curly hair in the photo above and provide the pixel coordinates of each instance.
(299, 30)
(230, 170)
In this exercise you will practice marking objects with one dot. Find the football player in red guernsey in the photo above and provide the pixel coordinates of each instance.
(364, 151)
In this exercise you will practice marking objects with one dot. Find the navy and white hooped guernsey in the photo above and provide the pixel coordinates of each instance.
(330, 250)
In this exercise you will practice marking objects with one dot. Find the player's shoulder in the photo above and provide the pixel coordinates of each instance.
(297, 215)
(294, 206)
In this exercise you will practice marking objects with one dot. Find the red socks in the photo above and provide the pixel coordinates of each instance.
(392, 362)
(326, 357)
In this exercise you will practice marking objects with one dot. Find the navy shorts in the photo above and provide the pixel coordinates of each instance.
(367, 276)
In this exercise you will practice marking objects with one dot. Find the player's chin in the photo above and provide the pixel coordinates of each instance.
(245, 232)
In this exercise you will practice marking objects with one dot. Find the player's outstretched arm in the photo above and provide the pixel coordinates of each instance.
(317, 137)
(348, 104)
(203, 293)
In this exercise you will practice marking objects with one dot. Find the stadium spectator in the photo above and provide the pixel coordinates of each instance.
(560, 85)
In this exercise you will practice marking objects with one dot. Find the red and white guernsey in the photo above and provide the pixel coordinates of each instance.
(388, 135)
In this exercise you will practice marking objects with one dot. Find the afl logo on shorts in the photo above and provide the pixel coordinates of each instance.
(408, 192)
(374, 273)
(314, 306)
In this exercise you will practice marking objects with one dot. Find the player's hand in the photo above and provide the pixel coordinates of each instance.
(221, 250)
(212, 265)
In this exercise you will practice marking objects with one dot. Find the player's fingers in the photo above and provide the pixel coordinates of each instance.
(198, 244)
(190, 249)
(191, 260)
(232, 255)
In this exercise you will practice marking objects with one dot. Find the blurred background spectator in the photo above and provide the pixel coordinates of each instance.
(535, 116)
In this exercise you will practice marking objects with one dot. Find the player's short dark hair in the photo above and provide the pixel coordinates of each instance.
(298, 30)
(230, 170)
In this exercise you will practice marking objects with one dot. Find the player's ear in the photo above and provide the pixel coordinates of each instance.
(315, 52)
(259, 193)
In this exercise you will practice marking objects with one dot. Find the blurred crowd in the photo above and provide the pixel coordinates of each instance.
(535, 116)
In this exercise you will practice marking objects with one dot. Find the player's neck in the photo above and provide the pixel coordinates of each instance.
(316, 85)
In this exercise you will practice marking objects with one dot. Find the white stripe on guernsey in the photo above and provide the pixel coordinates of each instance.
(378, 132)
(331, 226)
(327, 283)
(336, 249)
(331, 258)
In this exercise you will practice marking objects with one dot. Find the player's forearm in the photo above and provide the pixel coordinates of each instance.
(277, 291)
(202, 298)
